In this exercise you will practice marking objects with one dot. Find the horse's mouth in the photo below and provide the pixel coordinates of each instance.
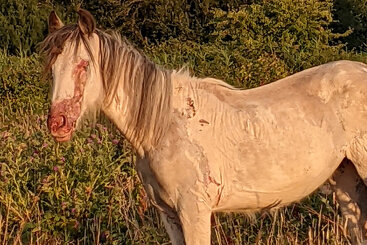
(61, 127)
(64, 138)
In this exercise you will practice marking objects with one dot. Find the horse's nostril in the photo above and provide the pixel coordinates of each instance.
(62, 121)
(56, 122)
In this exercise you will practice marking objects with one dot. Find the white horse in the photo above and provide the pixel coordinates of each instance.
(204, 146)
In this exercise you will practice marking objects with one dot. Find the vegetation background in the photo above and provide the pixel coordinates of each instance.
(87, 191)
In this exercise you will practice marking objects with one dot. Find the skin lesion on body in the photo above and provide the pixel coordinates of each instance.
(202, 122)
(190, 109)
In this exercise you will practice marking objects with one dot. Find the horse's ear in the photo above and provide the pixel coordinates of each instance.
(86, 22)
(54, 22)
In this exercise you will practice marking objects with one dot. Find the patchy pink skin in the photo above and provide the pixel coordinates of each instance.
(64, 114)
(190, 109)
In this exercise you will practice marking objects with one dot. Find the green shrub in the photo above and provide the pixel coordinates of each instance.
(258, 43)
(21, 84)
(154, 22)
(351, 15)
(271, 39)
(23, 25)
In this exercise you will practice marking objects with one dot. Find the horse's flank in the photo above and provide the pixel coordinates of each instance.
(246, 131)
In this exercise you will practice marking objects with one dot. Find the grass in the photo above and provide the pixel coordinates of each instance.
(87, 191)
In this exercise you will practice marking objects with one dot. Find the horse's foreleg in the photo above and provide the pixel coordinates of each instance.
(351, 195)
(195, 221)
(173, 227)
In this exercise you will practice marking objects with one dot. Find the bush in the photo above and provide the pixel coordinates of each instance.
(23, 25)
(351, 15)
(255, 44)
(146, 23)
(20, 82)
(271, 39)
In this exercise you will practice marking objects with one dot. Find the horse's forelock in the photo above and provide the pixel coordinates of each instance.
(54, 44)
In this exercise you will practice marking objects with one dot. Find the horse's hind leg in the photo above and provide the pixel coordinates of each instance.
(351, 194)
(357, 153)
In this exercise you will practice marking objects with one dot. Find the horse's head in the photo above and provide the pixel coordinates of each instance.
(72, 56)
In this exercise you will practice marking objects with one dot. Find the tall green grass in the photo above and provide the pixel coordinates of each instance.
(87, 191)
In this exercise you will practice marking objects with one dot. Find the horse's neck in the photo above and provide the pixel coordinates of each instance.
(119, 116)
(143, 114)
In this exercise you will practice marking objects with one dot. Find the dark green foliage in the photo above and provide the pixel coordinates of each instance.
(258, 43)
(152, 22)
(148, 21)
(268, 40)
(22, 25)
(351, 15)
(20, 81)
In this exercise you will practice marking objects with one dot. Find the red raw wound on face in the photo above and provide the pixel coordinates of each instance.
(64, 114)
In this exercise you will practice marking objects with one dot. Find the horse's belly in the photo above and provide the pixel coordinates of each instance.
(256, 191)
(278, 171)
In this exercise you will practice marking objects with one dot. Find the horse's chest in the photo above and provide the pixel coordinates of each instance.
(183, 169)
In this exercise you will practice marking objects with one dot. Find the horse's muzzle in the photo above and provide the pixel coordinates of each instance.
(59, 127)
